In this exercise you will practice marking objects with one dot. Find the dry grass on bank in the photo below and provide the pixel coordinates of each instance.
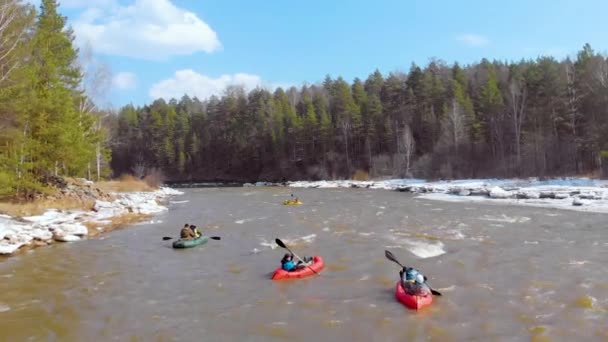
(37, 207)
(360, 175)
(126, 183)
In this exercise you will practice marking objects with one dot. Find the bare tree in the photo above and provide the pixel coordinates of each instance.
(455, 125)
(405, 150)
(572, 104)
(13, 26)
(139, 168)
(97, 78)
(345, 129)
(517, 102)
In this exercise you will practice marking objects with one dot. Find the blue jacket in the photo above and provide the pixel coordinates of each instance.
(288, 265)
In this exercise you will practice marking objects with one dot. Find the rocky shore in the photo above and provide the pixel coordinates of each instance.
(72, 225)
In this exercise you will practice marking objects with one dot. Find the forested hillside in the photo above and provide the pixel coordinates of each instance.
(540, 117)
(48, 126)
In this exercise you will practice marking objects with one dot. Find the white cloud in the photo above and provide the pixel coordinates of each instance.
(79, 3)
(146, 29)
(124, 81)
(194, 84)
(87, 3)
(472, 39)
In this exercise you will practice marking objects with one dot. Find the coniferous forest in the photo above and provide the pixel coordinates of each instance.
(539, 117)
(542, 117)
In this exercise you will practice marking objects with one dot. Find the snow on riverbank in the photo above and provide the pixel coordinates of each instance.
(67, 226)
(581, 194)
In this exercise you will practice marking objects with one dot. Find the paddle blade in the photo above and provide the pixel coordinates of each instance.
(167, 238)
(436, 293)
(215, 238)
(280, 243)
(392, 258)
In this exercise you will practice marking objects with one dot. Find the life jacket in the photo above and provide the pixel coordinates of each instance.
(288, 265)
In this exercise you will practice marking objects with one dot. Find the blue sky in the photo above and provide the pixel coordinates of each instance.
(163, 48)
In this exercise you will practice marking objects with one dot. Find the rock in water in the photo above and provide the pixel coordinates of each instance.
(67, 238)
(464, 192)
(498, 192)
(577, 202)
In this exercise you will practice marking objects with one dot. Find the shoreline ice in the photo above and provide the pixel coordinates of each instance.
(68, 226)
(580, 194)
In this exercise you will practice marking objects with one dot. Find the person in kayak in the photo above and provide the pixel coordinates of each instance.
(414, 282)
(195, 231)
(187, 233)
(288, 265)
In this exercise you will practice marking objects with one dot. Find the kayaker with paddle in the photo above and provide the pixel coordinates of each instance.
(187, 233)
(411, 279)
(288, 265)
(414, 282)
(195, 231)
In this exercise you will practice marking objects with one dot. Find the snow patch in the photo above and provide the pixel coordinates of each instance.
(68, 226)
(581, 194)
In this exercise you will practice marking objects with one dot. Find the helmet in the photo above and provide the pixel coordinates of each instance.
(419, 278)
(410, 273)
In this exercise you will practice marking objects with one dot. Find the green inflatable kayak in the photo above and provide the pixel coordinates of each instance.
(184, 243)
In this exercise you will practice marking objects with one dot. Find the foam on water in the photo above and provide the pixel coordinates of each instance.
(421, 249)
(504, 218)
(578, 263)
(4, 307)
(289, 242)
(426, 250)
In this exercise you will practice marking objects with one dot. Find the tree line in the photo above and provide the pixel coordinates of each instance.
(542, 117)
(48, 125)
(539, 117)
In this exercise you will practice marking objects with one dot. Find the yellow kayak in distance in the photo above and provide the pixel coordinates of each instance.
(288, 202)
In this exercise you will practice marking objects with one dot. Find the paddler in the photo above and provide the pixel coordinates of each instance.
(288, 265)
(296, 200)
(414, 282)
(187, 233)
(195, 231)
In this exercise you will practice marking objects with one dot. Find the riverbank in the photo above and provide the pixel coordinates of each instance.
(580, 194)
(100, 211)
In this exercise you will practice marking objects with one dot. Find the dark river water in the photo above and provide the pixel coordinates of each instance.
(506, 273)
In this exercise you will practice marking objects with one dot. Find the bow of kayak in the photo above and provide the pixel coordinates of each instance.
(317, 265)
(412, 301)
(186, 243)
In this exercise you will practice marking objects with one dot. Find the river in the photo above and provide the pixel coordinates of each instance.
(507, 273)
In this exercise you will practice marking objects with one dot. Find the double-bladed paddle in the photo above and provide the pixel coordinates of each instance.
(210, 237)
(392, 258)
(282, 245)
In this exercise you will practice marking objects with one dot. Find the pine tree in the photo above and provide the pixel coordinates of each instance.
(63, 139)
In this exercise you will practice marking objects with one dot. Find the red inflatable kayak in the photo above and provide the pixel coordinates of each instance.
(412, 301)
(317, 265)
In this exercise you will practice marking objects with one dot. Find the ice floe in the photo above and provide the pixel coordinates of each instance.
(69, 226)
(581, 194)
